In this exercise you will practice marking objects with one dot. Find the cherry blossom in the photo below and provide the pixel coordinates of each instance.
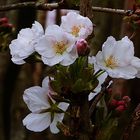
(44, 110)
(117, 58)
(24, 45)
(77, 25)
(57, 46)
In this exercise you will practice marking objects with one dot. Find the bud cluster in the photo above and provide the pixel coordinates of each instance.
(5, 26)
(120, 105)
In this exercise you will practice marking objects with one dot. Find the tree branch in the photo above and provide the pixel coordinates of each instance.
(37, 6)
(110, 10)
(61, 5)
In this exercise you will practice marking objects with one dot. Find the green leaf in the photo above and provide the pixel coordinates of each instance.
(55, 86)
(78, 86)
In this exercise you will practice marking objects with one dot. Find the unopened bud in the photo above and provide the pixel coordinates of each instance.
(126, 99)
(137, 11)
(82, 47)
(3, 20)
(113, 103)
(120, 108)
(121, 103)
(6, 27)
(134, 17)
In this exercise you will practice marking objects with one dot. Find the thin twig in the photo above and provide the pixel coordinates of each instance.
(37, 6)
(133, 35)
(110, 10)
(61, 5)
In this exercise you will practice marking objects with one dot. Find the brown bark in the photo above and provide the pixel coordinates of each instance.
(86, 8)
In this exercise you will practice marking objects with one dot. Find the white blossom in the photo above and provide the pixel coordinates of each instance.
(77, 25)
(116, 58)
(42, 108)
(24, 45)
(57, 46)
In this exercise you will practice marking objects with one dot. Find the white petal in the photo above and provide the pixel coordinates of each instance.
(18, 61)
(108, 47)
(135, 62)
(100, 61)
(102, 78)
(58, 117)
(36, 98)
(91, 59)
(23, 46)
(73, 19)
(70, 57)
(52, 61)
(45, 82)
(55, 31)
(67, 24)
(45, 46)
(126, 47)
(70, 42)
(128, 72)
(20, 48)
(92, 95)
(37, 29)
(53, 127)
(37, 122)
(63, 106)
(26, 33)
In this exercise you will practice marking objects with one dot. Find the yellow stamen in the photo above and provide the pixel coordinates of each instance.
(75, 30)
(60, 47)
(111, 62)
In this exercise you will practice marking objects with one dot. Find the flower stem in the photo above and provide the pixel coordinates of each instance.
(99, 95)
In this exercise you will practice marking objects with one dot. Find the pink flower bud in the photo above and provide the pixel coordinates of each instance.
(120, 108)
(3, 20)
(114, 103)
(121, 103)
(126, 99)
(6, 27)
(82, 47)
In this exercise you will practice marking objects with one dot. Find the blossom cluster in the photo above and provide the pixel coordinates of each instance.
(63, 45)
(56, 44)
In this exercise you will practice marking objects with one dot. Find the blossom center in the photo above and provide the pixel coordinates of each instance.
(60, 47)
(75, 30)
(111, 62)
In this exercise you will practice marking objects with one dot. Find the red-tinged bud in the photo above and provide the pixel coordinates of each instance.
(137, 11)
(120, 108)
(134, 17)
(7, 25)
(82, 47)
(114, 103)
(121, 103)
(126, 99)
(3, 20)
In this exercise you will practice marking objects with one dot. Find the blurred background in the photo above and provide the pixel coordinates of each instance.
(14, 79)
